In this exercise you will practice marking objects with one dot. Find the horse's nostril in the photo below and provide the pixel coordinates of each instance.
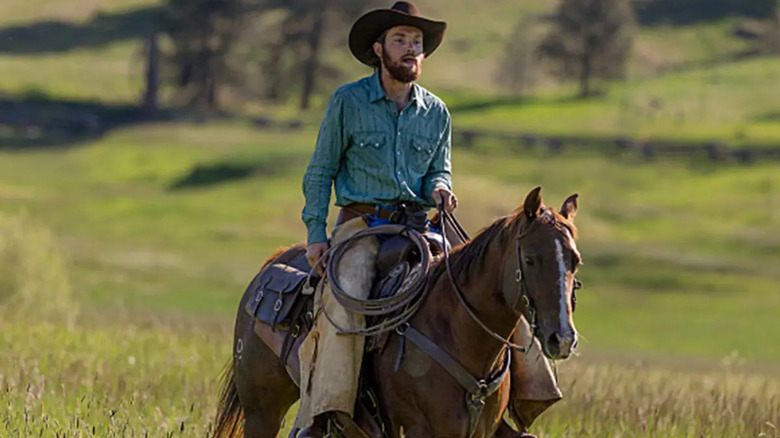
(553, 345)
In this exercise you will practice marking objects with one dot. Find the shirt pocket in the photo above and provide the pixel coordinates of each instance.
(369, 151)
(370, 139)
(423, 149)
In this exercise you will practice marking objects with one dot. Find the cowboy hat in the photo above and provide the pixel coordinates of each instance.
(370, 26)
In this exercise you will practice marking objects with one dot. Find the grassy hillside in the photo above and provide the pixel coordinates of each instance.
(672, 249)
(689, 82)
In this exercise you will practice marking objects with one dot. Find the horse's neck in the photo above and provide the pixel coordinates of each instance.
(449, 324)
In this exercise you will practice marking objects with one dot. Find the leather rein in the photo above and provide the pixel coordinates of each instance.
(476, 390)
(522, 294)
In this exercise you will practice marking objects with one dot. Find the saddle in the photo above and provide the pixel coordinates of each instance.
(283, 290)
(282, 295)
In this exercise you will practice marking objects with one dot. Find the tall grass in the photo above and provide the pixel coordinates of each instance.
(618, 400)
(110, 381)
(159, 378)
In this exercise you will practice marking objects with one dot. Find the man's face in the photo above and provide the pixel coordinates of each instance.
(402, 53)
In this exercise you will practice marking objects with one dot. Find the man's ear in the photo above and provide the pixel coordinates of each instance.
(377, 47)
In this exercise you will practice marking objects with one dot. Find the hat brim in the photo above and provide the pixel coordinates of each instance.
(370, 26)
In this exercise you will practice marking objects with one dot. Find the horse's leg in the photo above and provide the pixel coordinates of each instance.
(264, 388)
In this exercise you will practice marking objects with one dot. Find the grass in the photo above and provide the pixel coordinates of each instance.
(145, 376)
(109, 381)
(665, 257)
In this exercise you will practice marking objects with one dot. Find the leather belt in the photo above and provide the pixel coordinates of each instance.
(354, 210)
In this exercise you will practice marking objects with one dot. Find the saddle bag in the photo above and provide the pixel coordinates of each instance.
(277, 299)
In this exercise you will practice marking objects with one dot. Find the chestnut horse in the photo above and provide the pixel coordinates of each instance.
(522, 265)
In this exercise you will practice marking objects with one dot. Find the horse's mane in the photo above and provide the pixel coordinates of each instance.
(471, 255)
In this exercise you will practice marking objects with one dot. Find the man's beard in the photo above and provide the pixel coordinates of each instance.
(401, 72)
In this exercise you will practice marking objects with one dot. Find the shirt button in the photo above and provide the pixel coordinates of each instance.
(399, 153)
(399, 132)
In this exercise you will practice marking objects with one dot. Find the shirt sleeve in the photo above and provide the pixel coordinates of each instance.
(322, 169)
(440, 171)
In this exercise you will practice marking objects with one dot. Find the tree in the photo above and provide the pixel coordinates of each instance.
(152, 55)
(770, 41)
(516, 65)
(589, 39)
(203, 32)
(291, 40)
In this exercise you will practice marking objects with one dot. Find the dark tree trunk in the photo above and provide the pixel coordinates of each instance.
(586, 72)
(150, 100)
(312, 62)
(274, 67)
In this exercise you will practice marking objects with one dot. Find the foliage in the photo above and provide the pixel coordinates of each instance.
(287, 44)
(590, 39)
(770, 40)
(516, 62)
(203, 33)
(34, 279)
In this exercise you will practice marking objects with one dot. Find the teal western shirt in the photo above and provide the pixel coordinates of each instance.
(375, 154)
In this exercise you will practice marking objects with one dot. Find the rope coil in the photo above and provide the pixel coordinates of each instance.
(391, 312)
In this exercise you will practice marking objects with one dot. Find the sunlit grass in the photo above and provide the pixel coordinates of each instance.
(152, 376)
(109, 381)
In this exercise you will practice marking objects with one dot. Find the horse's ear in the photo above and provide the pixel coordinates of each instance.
(533, 203)
(569, 208)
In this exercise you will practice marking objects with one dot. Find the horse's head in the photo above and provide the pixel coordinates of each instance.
(545, 261)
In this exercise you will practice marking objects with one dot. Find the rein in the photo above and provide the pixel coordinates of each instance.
(521, 294)
(476, 390)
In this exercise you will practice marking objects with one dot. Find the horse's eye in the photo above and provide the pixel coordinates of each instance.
(529, 261)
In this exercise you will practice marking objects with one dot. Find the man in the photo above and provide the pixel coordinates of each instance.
(384, 140)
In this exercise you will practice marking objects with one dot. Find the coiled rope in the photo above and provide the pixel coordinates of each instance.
(387, 313)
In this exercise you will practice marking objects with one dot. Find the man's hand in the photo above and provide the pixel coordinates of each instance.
(442, 195)
(316, 251)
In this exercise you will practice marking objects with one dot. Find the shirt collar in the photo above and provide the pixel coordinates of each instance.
(377, 92)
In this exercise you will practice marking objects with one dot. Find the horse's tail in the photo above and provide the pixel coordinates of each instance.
(229, 415)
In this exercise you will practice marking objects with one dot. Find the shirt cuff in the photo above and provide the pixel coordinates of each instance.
(317, 233)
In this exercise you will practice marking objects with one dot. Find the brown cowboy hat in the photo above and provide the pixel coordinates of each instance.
(370, 26)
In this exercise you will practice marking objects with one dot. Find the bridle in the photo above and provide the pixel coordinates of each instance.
(521, 297)
(522, 294)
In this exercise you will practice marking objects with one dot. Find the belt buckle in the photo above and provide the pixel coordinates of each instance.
(395, 217)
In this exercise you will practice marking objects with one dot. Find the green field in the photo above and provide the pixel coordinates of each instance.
(123, 257)
(680, 261)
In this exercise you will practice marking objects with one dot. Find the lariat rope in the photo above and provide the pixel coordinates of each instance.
(396, 309)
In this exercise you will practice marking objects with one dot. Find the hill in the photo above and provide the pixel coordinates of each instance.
(688, 81)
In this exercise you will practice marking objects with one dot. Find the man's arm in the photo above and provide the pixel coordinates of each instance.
(322, 170)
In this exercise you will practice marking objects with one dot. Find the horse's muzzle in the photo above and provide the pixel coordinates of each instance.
(557, 346)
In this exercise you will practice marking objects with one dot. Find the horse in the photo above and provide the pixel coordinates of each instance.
(520, 266)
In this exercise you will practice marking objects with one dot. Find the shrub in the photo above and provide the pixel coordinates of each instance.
(34, 279)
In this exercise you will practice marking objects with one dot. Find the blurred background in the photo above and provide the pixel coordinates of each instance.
(151, 157)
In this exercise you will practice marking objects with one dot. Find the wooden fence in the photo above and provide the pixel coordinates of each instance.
(648, 149)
